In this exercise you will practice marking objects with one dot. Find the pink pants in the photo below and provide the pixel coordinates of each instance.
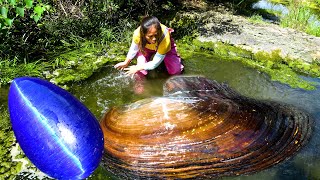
(171, 60)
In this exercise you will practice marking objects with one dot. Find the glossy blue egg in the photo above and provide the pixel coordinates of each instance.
(59, 135)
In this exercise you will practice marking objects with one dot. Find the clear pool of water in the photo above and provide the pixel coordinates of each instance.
(110, 88)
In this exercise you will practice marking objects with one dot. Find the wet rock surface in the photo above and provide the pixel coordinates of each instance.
(221, 24)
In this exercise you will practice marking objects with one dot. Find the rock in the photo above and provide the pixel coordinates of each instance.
(220, 24)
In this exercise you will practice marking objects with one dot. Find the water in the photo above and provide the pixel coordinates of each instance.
(264, 4)
(110, 88)
(283, 10)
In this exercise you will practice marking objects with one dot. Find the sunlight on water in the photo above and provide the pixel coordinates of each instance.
(264, 4)
(111, 88)
(222, 129)
(248, 82)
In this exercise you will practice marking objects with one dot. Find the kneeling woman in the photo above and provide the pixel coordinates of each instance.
(152, 39)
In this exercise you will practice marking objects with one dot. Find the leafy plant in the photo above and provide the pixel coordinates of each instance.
(20, 27)
(185, 26)
(14, 10)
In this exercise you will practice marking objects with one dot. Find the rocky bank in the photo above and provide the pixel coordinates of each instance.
(218, 23)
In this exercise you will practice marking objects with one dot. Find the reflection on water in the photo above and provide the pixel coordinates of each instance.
(110, 88)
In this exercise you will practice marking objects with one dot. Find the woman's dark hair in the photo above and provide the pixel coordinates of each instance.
(146, 23)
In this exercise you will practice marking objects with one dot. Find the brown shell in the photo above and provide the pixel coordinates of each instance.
(200, 129)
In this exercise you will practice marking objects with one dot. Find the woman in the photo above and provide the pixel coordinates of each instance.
(152, 40)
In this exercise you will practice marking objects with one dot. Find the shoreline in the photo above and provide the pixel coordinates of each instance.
(221, 24)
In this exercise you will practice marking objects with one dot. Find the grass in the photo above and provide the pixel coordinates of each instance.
(71, 65)
(82, 58)
(8, 168)
(10, 69)
(256, 18)
(301, 16)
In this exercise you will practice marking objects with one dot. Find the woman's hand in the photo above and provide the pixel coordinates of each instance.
(121, 65)
(131, 70)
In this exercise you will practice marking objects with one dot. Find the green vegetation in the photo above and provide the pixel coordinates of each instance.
(301, 17)
(20, 24)
(279, 69)
(31, 46)
(67, 41)
(13, 11)
(256, 18)
(79, 64)
(8, 168)
(11, 69)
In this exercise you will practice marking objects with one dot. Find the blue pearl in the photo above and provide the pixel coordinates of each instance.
(59, 135)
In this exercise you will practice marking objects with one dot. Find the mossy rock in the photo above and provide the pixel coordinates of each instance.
(284, 70)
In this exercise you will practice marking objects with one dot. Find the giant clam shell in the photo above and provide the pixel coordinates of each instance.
(200, 129)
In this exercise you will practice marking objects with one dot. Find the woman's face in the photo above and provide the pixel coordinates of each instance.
(151, 35)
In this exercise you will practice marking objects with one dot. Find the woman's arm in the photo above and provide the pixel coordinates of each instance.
(130, 55)
(134, 48)
(157, 59)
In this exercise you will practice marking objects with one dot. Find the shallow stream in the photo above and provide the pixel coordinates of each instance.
(110, 88)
